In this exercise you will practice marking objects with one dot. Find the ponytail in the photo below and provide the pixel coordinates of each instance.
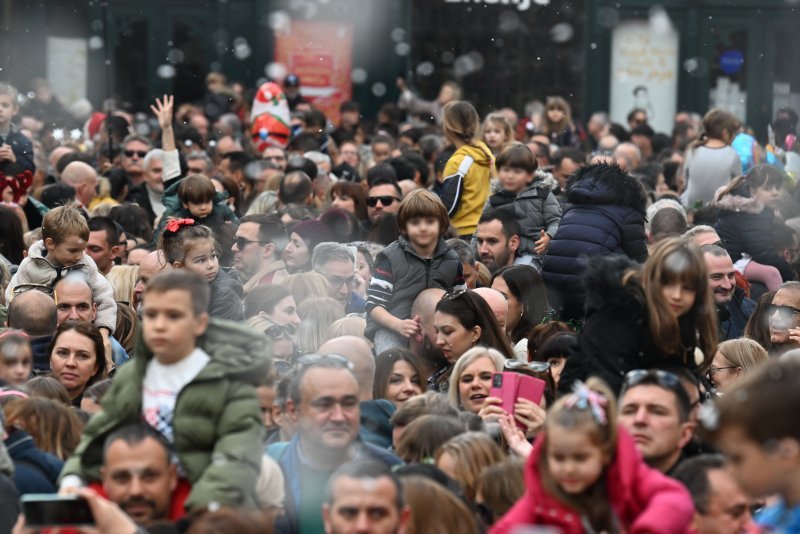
(735, 183)
(177, 237)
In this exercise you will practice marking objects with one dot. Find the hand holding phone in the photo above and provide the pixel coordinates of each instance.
(510, 386)
(55, 510)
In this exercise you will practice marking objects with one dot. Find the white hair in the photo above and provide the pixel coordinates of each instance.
(155, 153)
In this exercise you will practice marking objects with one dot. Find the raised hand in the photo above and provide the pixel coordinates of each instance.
(163, 111)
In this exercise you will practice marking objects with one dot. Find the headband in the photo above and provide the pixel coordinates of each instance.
(584, 398)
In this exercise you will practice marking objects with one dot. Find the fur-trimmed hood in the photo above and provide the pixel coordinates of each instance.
(738, 203)
(603, 281)
(606, 184)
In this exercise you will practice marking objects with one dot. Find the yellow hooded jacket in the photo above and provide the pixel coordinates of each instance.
(467, 177)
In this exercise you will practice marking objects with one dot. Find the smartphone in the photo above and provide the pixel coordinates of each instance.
(54, 510)
(509, 386)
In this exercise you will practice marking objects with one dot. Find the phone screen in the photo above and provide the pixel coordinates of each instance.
(56, 510)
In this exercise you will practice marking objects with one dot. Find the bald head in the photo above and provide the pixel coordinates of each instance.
(628, 156)
(74, 297)
(149, 266)
(497, 302)
(425, 304)
(83, 178)
(33, 312)
(359, 353)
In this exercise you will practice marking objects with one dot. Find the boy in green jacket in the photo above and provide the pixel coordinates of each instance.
(194, 381)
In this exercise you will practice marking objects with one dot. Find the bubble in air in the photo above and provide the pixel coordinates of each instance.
(425, 68)
(402, 49)
(95, 42)
(276, 71)
(175, 56)
(280, 21)
(448, 57)
(562, 32)
(542, 2)
(379, 89)
(97, 25)
(165, 71)
(607, 17)
(358, 75)
(398, 35)
(241, 48)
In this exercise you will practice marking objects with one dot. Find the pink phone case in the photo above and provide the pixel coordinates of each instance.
(509, 387)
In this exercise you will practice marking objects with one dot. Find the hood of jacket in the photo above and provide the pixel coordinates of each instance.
(738, 203)
(607, 188)
(603, 281)
(480, 153)
(42, 269)
(170, 199)
(236, 351)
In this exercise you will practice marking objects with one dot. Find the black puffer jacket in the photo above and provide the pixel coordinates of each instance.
(226, 297)
(605, 215)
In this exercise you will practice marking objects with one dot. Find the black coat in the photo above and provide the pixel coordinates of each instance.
(745, 227)
(226, 297)
(605, 215)
(616, 337)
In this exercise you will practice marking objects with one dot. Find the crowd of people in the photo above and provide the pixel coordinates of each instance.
(423, 322)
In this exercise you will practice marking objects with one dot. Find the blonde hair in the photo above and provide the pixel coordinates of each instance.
(64, 221)
(473, 452)
(303, 286)
(316, 315)
(569, 413)
(435, 507)
(123, 279)
(466, 359)
(501, 120)
(347, 326)
(744, 353)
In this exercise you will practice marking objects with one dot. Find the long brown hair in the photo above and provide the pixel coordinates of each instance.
(570, 414)
(461, 122)
(678, 259)
(759, 176)
(53, 426)
(715, 124)
(436, 509)
(473, 452)
(556, 102)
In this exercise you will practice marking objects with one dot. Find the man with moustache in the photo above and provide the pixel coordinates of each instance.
(139, 476)
(497, 241)
(733, 308)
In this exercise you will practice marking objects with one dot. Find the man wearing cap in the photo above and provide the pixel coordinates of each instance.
(291, 88)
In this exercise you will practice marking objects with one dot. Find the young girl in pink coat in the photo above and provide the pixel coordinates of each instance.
(585, 475)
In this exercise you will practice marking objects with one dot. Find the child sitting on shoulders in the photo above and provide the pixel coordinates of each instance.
(62, 250)
(531, 202)
(418, 260)
(191, 246)
(193, 380)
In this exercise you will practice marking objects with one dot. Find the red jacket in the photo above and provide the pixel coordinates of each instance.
(643, 499)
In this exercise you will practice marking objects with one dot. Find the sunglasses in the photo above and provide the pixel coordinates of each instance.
(536, 367)
(786, 311)
(130, 153)
(282, 367)
(385, 200)
(279, 332)
(665, 379)
(242, 242)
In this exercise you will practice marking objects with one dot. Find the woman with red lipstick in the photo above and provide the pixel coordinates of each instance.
(77, 358)
(645, 318)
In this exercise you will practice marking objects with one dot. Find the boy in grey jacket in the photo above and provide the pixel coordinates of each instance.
(527, 199)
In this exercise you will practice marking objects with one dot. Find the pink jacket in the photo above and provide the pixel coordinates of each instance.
(643, 499)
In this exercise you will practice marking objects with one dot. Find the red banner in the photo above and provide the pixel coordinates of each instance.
(320, 54)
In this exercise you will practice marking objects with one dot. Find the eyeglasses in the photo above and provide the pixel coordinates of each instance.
(315, 359)
(786, 311)
(385, 200)
(242, 242)
(536, 367)
(22, 288)
(336, 282)
(131, 153)
(712, 370)
(282, 367)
